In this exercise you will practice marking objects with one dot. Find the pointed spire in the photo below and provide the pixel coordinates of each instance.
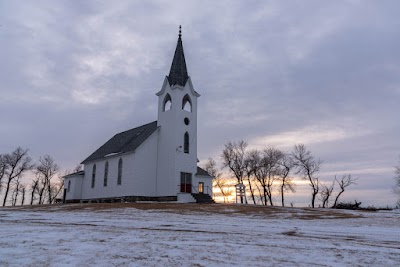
(178, 73)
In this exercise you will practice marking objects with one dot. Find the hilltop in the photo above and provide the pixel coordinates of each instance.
(167, 234)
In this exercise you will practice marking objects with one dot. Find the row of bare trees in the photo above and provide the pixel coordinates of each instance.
(17, 169)
(396, 187)
(264, 171)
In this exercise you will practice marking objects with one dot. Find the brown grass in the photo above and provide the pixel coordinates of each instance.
(180, 208)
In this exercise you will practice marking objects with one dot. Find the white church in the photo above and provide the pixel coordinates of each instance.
(153, 162)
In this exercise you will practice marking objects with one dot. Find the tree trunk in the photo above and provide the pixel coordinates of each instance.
(6, 194)
(41, 191)
(32, 195)
(282, 196)
(49, 191)
(251, 191)
(265, 195)
(313, 199)
(16, 195)
(337, 198)
(270, 198)
(259, 193)
(23, 196)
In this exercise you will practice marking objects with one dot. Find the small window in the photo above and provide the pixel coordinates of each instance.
(187, 103)
(119, 180)
(93, 175)
(186, 143)
(69, 186)
(167, 103)
(105, 173)
(186, 120)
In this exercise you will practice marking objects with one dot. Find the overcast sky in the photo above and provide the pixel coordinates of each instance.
(322, 73)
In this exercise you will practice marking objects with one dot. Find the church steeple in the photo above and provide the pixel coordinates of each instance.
(178, 73)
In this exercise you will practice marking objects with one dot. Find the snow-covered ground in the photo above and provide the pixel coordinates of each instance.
(149, 234)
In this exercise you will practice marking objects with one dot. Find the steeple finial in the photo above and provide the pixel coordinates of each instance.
(178, 73)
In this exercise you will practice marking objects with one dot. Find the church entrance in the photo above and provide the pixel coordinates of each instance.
(186, 182)
(201, 187)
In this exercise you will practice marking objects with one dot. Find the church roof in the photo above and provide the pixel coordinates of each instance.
(178, 73)
(123, 142)
(202, 172)
(74, 174)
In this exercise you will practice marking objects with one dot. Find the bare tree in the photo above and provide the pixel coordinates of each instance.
(286, 182)
(14, 195)
(224, 188)
(233, 158)
(23, 193)
(34, 188)
(267, 171)
(343, 183)
(396, 187)
(47, 169)
(211, 167)
(56, 188)
(18, 162)
(307, 166)
(3, 168)
(41, 189)
(77, 168)
(326, 193)
(260, 174)
(270, 161)
(250, 167)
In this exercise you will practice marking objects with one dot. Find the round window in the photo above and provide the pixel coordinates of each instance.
(186, 120)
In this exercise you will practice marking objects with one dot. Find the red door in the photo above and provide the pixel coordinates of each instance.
(186, 182)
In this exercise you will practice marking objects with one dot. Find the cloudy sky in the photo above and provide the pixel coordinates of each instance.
(274, 73)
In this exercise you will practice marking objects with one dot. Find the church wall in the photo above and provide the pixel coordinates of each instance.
(143, 168)
(75, 190)
(138, 174)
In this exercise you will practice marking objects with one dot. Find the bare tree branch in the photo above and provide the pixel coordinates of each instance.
(47, 169)
(343, 183)
(18, 162)
(307, 166)
(396, 187)
(211, 167)
(286, 164)
(3, 168)
(326, 193)
(233, 158)
(250, 167)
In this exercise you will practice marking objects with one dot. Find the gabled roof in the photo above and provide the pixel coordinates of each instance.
(178, 73)
(202, 172)
(74, 174)
(123, 142)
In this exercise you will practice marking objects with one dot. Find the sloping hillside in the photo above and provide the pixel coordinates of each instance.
(171, 234)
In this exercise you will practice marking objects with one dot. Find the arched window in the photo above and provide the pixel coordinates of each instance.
(186, 143)
(105, 173)
(93, 175)
(187, 103)
(167, 103)
(119, 180)
(69, 185)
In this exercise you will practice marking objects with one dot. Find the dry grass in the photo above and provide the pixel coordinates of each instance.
(180, 208)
